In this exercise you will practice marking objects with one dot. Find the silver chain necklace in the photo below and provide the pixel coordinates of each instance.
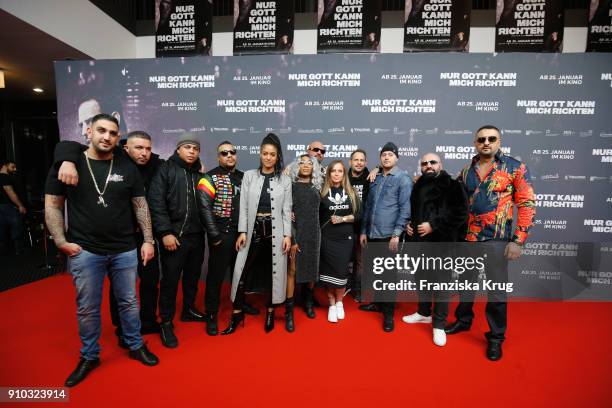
(100, 193)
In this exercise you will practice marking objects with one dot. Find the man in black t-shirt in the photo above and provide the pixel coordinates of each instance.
(358, 177)
(138, 148)
(100, 239)
(11, 210)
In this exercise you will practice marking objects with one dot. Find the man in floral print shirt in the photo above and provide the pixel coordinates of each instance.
(494, 183)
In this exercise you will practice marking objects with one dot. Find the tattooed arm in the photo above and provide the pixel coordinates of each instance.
(54, 217)
(143, 217)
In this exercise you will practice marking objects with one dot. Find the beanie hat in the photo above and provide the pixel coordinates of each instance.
(186, 138)
(390, 147)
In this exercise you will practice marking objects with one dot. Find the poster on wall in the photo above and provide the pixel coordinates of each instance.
(529, 25)
(349, 26)
(263, 27)
(183, 27)
(552, 110)
(600, 26)
(437, 25)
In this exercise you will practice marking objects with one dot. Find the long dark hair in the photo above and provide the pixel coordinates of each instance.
(272, 139)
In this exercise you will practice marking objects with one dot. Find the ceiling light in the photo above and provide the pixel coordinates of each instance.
(1, 78)
(38, 90)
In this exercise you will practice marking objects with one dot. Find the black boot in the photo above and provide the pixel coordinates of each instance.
(309, 302)
(166, 332)
(212, 328)
(81, 371)
(269, 326)
(250, 310)
(289, 321)
(237, 318)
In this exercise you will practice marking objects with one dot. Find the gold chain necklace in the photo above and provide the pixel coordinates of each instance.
(100, 193)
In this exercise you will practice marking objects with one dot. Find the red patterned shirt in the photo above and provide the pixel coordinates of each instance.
(491, 200)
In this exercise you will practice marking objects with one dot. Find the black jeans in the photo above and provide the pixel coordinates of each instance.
(187, 259)
(440, 298)
(220, 257)
(497, 307)
(10, 220)
(388, 308)
(148, 290)
(259, 260)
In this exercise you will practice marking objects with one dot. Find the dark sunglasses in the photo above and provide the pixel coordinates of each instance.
(317, 150)
(432, 162)
(226, 153)
(491, 139)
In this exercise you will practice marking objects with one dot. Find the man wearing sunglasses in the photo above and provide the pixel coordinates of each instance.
(439, 210)
(494, 183)
(219, 193)
(316, 150)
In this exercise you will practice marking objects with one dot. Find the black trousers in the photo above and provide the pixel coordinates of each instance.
(388, 308)
(187, 259)
(220, 257)
(11, 229)
(259, 261)
(440, 307)
(148, 290)
(497, 307)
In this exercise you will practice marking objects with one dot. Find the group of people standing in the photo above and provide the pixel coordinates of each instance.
(281, 230)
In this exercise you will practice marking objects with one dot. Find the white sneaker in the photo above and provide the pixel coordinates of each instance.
(416, 318)
(332, 314)
(439, 337)
(339, 310)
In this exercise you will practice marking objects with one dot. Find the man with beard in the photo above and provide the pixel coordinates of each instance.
(495, 183)
(438, 211)
(386, 213)
(11, 210)
(219, 195)
(111, 189)
(358, 177)
(138, 148)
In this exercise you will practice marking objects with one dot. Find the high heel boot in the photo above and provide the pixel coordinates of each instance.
(309, 302)
(289, 321)
(269, 326)
(237, 318)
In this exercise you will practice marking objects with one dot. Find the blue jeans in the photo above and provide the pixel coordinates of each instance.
(88, 271)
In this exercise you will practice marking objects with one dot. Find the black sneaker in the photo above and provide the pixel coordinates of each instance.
(144, 356)
(167, 335)
(81, 371)
(192, 315)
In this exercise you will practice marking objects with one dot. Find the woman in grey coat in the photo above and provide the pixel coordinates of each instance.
(264, 228)
(304, 255)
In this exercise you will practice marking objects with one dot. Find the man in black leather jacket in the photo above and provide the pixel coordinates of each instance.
(137, 147)
(176, 222)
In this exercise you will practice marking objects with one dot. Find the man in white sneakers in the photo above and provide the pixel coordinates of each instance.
(439, 211)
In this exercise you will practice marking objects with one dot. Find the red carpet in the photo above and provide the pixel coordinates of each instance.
(557, 354)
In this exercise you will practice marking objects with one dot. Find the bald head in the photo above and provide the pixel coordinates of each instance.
(430, 164)
(316, 150)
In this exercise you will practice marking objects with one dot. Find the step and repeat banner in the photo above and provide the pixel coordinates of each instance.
(553, 109)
